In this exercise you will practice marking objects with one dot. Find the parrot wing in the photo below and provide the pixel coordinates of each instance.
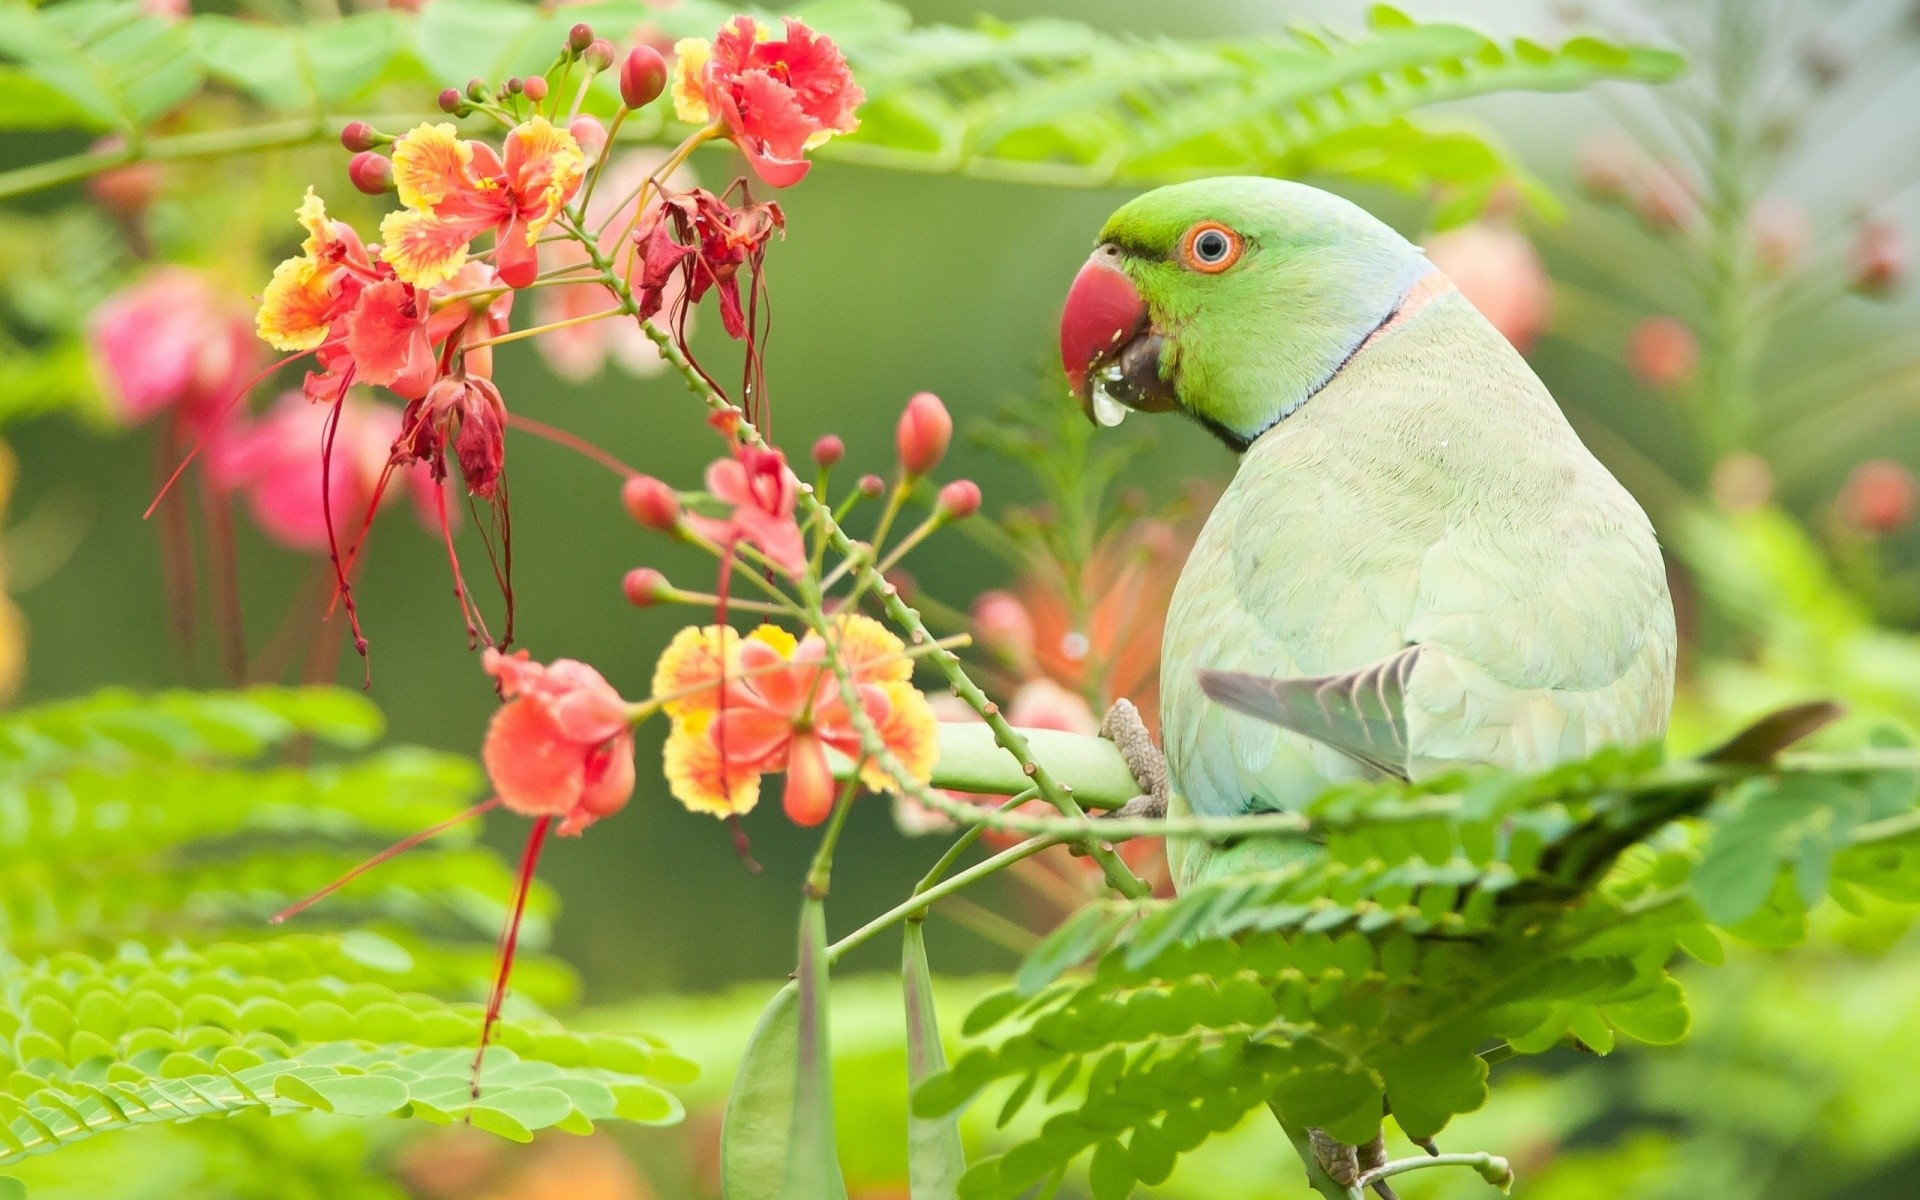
(1362, 714)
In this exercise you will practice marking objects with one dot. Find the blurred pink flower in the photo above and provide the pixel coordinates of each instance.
(1661, 352)
(1606, 164)
(1781, 235)
(579, 352)
(275, 463)
(171, 341)
(1497, 269)
(1878, 259)
(1880, 496)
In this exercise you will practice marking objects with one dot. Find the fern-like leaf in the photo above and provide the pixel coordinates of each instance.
(93, 1046)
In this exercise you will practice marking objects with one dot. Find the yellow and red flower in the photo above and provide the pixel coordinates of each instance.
(778, 96)
(744, 707)
(453, 190)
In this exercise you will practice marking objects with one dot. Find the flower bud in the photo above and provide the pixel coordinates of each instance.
(1781, 234)
(958, 500)
(358, 135)
(651, 503)
(590, 133)
(126, 191)
(1661, 352)
(599, 55)
(477, 89)
(1666, 198)
(371, 172)
(828, 451)
(1879, 497)
(871, 486)
(645, 587)
(1004, 626)
(643, 76)
(924, 431)
(535, 87)
(579, 37)
(451, 101)
(1878, 259)
(514, 86)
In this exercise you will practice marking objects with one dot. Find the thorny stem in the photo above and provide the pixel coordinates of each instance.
(1117, 875)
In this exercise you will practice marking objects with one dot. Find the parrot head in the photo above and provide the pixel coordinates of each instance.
(1232, 300)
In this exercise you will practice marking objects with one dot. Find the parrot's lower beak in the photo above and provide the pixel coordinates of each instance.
(1108, 345)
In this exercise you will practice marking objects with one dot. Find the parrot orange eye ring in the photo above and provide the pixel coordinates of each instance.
(1210, 247)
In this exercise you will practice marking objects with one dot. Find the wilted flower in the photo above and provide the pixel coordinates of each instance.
(777, 96)
(467, 412)
(171, 341)
(745, 707)
(1661, 352)
(717, 239)
(454, 190)
(1497, 269)
(562, 745)
(1879, 496)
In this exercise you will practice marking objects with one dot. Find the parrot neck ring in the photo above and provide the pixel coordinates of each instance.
(1109, 346)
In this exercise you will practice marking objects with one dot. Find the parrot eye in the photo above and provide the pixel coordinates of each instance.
(1210, 247)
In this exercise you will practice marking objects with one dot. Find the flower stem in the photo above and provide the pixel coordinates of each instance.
(920, 901)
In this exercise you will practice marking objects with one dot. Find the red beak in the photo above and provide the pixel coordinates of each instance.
(1103, 310)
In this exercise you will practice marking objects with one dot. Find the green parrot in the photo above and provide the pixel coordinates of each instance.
(1417, 563)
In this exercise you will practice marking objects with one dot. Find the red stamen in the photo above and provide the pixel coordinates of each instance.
(509, 942)
(333, 543)
(213, 425)
(574, 442)
(469, 612)
(400, 847)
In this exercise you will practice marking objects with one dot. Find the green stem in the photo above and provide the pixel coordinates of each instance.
(920, 901)
(1317, 1175)
(1492, 1167)
(820, 874)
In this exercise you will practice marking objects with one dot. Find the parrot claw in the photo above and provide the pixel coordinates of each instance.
(1128, 732)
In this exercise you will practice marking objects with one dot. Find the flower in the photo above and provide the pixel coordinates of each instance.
(561, 745)
(777, 96)
(1878, 258)
(743, 707)
(715, 241)
(171, 341)
(1497, 269)
(579, 352)
(1661, 352)
(762, 491)
(1880, 496)
(467, 411)
(363, 323)
(276, 464)
(454, 190)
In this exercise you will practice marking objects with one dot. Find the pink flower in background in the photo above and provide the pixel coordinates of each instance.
(275, 464)
(171, 341)
(1879, 497)
(579, 352)
(1500, 273)
(1661, 352)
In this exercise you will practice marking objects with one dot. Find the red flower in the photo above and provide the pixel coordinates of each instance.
(561, 745)
(762, 491)
(777, 97)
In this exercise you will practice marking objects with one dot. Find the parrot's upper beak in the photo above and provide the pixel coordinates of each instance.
(1108, 345)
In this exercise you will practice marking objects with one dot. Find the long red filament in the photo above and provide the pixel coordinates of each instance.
(509, 941)
(213, 425)
(573, 442)
(398, 848)
(333, 542)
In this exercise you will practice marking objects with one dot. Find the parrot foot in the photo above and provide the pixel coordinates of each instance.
(1124, 728)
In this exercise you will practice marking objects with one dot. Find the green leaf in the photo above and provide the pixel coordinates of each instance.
(115, 63)
(935, 1158)
(12, 1189)
(813, 1166)
(1660, 1018)
(346, 1096)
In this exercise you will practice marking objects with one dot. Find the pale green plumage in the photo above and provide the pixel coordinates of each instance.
(1430, 494)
